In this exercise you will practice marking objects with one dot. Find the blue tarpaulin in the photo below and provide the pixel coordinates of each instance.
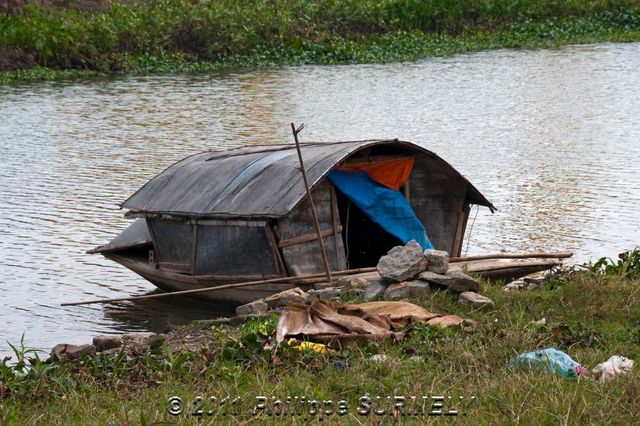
(386, 207)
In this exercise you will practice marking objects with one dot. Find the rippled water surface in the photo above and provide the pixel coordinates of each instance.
(551, 137)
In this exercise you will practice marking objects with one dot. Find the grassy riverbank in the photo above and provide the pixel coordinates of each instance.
(591, 316)
(39, 42)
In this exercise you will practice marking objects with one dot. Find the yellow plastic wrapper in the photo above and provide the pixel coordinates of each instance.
(308, 346)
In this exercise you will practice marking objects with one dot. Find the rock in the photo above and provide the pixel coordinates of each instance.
(354, 292)
(256, 307)
(453, 280)
(78, 352)
(474, 299)
(284, 297)
(65, 351)
(374, 289)
(320, 286)
(352, 282)
(407, 289)
(397, 291)
(109, 341)
(219, 321)
(340, 365)
(324, 294)
(402, 263)
(437, 261)
(524, 283)
(137, 342)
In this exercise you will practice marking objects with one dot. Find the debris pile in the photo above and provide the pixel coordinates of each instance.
(404, 272)
(557, 362)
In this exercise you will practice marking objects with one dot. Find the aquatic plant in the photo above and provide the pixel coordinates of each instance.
(627, 265)
(184, 35)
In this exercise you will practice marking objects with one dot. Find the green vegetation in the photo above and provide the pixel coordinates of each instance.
(589, 315)
(183, 35)
(627, 265)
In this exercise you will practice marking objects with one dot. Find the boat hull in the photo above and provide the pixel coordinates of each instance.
(171, 281)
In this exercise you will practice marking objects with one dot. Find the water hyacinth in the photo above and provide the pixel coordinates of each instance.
(184, 35)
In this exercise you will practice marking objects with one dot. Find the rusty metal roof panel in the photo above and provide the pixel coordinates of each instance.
(260, 181)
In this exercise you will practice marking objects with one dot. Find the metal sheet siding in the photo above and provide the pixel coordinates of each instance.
(252, 182)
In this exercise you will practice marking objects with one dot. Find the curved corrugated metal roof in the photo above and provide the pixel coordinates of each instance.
(254, 182)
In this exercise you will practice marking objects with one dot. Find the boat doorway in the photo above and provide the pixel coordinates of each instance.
(364, 240)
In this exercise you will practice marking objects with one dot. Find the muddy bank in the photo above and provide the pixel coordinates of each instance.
(12, 59)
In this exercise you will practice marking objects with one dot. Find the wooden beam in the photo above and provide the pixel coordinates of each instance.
(304, 238)
(283, 280)
(335, 223)
(323, 252)
(540, 255)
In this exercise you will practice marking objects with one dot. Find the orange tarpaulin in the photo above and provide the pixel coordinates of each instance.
(390, 173)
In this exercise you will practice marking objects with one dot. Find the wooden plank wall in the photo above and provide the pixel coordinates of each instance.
(304, 257)
(438, 199)
(234, 250)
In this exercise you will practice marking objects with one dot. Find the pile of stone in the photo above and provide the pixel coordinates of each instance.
(405, 272)
(135, 343)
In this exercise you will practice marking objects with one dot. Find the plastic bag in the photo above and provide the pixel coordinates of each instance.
(554, 360)
(308, 346)
(614, 366)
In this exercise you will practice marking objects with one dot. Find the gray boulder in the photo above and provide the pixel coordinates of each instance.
(437, 261)
(456, 281)
(107, 341)
(281, 299)
(402, 263)
(407, 289)
(352, 282)
(320, 286)
(67, 352)
(256, 307)
(375, 289)
(476, 300)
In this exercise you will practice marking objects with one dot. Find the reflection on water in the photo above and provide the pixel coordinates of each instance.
(549, 136)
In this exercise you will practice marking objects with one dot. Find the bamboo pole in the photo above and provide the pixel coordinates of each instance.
(313, 207)
(558, 255)
(302, 279)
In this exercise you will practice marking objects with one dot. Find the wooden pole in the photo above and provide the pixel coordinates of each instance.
(282, 280)
(313, 207)
(560, 255)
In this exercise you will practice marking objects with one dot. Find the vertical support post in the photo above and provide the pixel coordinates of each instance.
(335, 223)
(323, 252)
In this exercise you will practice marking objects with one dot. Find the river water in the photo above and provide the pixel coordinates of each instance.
(551, 137)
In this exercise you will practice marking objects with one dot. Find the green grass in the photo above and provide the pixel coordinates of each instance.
(163, 36)
(590, 316)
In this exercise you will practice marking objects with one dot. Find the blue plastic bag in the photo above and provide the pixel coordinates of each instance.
(554, 360)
